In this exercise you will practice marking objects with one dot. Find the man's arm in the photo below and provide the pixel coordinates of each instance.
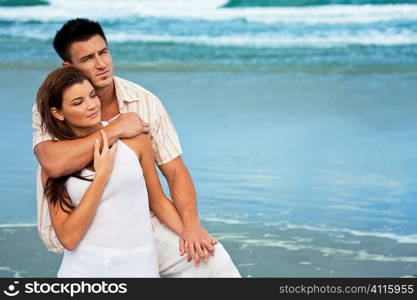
(195, 240)
(59, 158)
(182, 189)
(184, 196)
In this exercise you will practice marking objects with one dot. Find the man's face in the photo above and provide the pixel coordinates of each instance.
(94, 59)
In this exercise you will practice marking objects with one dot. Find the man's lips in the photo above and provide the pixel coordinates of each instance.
(102, 73)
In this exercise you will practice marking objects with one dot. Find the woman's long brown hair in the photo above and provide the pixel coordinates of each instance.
(50, 95)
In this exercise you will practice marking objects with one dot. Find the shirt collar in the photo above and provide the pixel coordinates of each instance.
(124, 92)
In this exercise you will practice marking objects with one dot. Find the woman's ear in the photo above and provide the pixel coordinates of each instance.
(57, 114)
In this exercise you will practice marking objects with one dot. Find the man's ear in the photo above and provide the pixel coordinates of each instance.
(57, 114)
(65, 64)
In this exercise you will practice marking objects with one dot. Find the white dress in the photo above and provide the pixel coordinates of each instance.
(120, 241)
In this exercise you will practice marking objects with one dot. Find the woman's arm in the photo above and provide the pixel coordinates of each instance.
(59, 158)
(163, 208)
(70, 228)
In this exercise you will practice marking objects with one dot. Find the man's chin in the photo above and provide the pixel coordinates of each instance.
(103, 82)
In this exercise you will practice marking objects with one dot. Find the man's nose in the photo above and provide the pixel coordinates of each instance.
(100, 64)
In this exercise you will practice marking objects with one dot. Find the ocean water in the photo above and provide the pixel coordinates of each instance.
(297, 120)
(224, 36)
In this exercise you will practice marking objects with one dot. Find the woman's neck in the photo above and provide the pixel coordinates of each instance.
(84, 131)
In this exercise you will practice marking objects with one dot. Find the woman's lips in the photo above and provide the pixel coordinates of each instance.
(93, 115)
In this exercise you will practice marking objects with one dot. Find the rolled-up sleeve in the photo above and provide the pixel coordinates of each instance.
(39, 135)
(166, 144)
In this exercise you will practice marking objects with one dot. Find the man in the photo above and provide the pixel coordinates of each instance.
(82, 43)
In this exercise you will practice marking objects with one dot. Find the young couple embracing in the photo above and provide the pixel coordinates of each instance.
(97, 138)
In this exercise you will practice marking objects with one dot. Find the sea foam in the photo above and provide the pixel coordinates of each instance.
(210, 11)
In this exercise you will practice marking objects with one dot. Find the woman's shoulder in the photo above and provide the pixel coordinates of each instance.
(139, 140)
(138, 143)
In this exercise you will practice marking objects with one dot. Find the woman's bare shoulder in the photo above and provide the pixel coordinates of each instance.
(138, 143)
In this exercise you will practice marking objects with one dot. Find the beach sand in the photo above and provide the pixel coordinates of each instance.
(256, 249)
(29, 257)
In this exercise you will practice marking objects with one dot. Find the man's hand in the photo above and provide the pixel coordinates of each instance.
(197, 243)
(129, 125)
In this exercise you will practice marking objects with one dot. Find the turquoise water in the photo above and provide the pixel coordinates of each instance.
(298, 3)
(347, 36)
(295, 117)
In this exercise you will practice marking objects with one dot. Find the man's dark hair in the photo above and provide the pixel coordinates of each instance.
(75, 30)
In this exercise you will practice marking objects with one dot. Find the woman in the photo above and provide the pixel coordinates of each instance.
(101, 214)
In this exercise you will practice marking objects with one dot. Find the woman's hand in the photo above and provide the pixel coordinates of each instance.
(103, 162)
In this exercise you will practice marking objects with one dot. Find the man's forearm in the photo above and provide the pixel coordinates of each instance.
(65, 157)
(200, 242)
(183, 194)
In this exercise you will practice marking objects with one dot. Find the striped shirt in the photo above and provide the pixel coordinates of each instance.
(130, 98)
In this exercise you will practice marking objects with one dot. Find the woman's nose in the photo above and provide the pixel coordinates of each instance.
(91, 104)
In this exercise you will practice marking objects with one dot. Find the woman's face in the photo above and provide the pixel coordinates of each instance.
(80, 108)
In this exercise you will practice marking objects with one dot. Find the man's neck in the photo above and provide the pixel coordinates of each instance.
(107, 95)
(108, 100)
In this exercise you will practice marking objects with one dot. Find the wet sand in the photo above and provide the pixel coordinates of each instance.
(258, 251)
